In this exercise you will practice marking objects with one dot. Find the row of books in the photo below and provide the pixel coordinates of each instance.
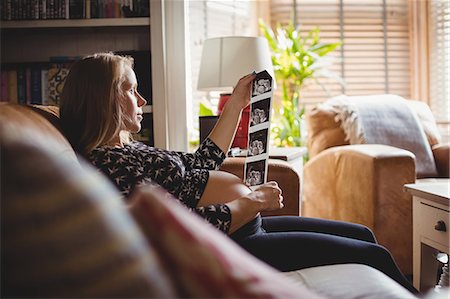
(72, 9)
(33, 83)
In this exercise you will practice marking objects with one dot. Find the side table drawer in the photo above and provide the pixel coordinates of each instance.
(429, 218)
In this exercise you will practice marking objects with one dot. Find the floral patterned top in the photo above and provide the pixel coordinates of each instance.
(184, 175)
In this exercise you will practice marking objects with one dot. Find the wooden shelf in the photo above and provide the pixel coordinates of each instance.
(109, 22)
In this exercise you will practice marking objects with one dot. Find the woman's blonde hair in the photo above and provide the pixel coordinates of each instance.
(90, 109)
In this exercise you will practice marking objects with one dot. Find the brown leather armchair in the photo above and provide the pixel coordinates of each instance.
(364, 183)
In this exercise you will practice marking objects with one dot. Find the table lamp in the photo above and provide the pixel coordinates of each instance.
(224, 61)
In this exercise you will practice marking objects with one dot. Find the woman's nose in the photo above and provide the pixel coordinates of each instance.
(141, 100)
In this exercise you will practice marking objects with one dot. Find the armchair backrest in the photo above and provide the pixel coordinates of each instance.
(325, 131)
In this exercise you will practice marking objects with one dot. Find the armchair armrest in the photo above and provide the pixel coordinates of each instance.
(364, 184)
(281, 172)
(441, 153)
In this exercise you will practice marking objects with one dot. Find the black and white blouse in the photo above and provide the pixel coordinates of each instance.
(184, 175)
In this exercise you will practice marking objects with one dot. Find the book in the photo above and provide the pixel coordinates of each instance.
(56, 75)
(51, 9)
(95, 9)
(34, 9)
(4, 86)
(44, 86)
(21, 85)
(12, 86)
(28, 84)
(43, 9)
(76, 8)
(87, 9)
(36, 85)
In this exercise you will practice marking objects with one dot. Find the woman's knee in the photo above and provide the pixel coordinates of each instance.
(380, 254)
(367, 234)
(355, 231)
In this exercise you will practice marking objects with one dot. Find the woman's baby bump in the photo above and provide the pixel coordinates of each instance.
(222, 187)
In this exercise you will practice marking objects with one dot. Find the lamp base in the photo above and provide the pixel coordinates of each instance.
(241, 137)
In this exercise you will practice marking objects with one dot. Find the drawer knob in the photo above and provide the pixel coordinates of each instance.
(440, 226)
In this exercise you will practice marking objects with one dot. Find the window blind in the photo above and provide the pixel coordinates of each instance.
(374, 57)
(439, 68)
(209, 19)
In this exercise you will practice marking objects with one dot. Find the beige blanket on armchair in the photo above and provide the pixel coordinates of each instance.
(385, 119)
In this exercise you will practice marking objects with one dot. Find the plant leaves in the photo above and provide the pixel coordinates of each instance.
(296, 58)
(205, 110)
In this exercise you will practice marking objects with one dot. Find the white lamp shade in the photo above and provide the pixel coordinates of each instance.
(227, 59)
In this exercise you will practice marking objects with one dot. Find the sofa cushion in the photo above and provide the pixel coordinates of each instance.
(65, 229)
(349, 281)
(204, 262)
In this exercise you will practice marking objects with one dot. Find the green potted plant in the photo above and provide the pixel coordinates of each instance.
(296, 59)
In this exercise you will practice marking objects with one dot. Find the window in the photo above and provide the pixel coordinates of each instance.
(378, 54)
(439, 63)
(374, 57)
(209, 19)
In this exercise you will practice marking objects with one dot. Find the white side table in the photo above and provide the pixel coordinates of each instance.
(292, 155)
(431, 226)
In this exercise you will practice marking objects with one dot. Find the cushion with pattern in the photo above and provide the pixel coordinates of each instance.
(202, 261)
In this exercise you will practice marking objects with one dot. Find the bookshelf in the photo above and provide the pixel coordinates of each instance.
(38, 41)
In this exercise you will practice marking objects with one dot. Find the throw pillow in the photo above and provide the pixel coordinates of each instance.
(66, 232)
(201, 260)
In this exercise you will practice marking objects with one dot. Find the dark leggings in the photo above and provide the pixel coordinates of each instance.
(291, 243)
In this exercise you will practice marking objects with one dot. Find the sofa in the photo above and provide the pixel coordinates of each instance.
(66, 232)
(364, 183)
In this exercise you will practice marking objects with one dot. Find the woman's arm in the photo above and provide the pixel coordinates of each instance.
(223, 132)
(207, 156)
(213, 150)
(243, 204)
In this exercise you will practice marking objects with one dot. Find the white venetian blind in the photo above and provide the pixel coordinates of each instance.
(439, 68)
(209, 19)
(374, 57)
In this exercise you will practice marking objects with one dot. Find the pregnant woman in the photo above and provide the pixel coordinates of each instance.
(101, 107)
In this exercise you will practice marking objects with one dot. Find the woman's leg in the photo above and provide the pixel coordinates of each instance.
(293, 250)
(304, 224)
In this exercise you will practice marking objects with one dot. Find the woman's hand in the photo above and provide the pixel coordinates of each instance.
(266, 197)
(242, 92)
(269, 196)
(223, 132)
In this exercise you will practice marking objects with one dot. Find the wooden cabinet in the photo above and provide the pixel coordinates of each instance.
(431, 223)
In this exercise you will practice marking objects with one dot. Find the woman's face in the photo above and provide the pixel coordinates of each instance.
(132, 102)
